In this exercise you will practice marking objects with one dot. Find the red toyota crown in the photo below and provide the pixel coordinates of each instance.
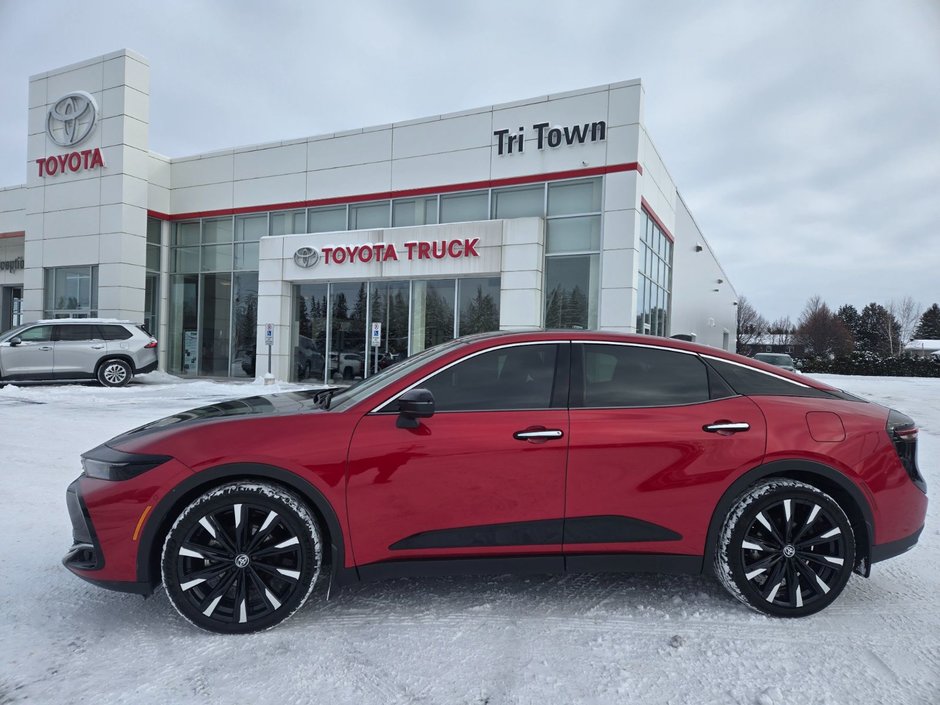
(528, 452)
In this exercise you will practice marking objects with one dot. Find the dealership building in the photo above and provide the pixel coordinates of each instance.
(341, 253)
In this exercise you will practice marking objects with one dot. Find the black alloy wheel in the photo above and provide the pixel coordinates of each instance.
(786, 549)
(241, 558)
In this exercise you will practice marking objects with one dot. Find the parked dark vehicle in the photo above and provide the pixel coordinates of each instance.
(536, 452)
(71, 349)
(777, 360)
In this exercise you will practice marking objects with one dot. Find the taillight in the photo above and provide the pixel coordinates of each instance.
(903, 433)
(152, 344)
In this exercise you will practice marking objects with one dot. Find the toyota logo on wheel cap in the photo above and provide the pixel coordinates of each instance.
(71, 118)
(306, 257)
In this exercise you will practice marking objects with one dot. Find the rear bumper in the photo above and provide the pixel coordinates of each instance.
(884, 551)
(150, 367)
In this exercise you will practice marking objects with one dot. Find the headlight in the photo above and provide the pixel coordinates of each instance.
(105, 463)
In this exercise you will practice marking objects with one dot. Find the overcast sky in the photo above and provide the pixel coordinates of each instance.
(804, 136)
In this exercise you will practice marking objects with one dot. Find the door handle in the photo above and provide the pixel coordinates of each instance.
(45, 347)
(97, 347)
(727, 427)
(531, 434)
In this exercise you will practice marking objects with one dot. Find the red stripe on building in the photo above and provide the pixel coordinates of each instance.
(656, 219)
(15, 233)
(406, 193)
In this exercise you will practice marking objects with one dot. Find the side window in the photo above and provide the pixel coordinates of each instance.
(625, 376)
(39, 334)
(76, 333)
(114, 333)
(751, 382)
(519, 377)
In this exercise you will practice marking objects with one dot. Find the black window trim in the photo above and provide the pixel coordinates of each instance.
(560, 359)
(577, 377)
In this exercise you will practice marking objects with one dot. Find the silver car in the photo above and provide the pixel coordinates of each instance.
(108, 350)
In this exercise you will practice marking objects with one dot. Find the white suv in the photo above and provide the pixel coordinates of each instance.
(108, 350)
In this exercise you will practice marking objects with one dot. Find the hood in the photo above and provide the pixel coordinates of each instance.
(282, 404)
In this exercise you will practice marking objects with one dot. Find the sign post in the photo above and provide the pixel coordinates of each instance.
(269, 342)
(376, 342)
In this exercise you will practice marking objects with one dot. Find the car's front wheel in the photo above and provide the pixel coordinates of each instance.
(114, 373)
(241, 558)
(786, 549)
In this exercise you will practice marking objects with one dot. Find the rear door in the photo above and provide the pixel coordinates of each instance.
(78, 347)
(33, 357)
(656, 438)
(484, 476)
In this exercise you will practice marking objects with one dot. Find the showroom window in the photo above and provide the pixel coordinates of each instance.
(572, 253)
(654, 283)
(152, 276)
(71, 292)
(213, 308)
(331, 332)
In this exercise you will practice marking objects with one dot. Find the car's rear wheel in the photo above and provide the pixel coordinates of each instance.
(241, 558)
(786, 549)
(114, 373)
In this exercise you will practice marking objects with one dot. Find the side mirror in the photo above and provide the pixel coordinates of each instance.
(15, 341)
(413, 405)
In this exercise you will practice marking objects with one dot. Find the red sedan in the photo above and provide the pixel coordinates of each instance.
(511, 452)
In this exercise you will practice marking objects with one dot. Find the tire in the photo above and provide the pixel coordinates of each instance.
(786, 549)
(241, 558)
(114, 373)
(347, 373)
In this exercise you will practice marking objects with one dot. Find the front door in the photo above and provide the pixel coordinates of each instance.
(484, 476)
(652, 449)
(32, 357)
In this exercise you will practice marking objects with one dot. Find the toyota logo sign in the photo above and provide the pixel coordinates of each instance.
(71, 118)
(306, 257)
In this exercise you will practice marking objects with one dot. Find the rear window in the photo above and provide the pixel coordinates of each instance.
(114, 332)
(751, 382)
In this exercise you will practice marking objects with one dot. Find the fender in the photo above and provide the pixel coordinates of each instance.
(148, 553)
(807, 471)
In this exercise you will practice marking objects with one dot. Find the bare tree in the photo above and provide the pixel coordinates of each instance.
(907, 312)
(751, 325)
(781, 331)
(821, 331)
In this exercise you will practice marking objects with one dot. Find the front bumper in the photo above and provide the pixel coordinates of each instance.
(108, 518)
(85, 553)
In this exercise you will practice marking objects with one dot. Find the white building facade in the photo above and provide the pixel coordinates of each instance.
(342, 253)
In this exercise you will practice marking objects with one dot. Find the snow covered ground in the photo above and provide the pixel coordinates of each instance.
(576, 639)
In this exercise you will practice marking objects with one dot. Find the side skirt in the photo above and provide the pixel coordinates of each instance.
(528, 565)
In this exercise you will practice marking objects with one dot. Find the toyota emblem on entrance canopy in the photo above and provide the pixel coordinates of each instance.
(306, 257)
(71, 118)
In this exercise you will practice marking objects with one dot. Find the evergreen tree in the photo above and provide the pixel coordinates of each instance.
(576, 313)
(849, 315)
(553, 309)
(929, 326)
(482, 315)
(879, 331)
